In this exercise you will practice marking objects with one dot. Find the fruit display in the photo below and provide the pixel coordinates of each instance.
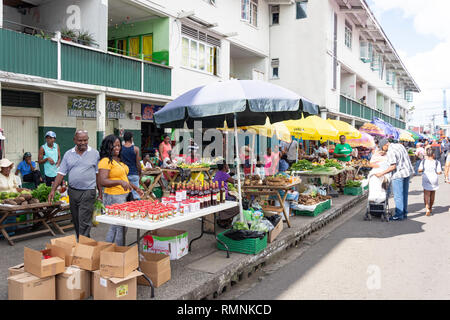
(360, 163)
(277, 180)
(311, 199)
(253, 180)
(18, 199)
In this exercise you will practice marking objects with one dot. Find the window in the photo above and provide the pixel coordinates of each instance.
(275, 65)
(249, 11)
(301, 9)
(348, 35)
(200, 56)
(275, 13)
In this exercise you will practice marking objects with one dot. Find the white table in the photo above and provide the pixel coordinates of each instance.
(147, 225)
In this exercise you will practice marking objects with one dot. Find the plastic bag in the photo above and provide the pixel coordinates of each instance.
(99, 209)
(310, 190)
(259, 226)
(244, 234)
(267, 224)
(274, 219)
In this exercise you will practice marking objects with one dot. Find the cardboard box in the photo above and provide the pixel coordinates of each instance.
(12, 271)
(167, 241)
(25, 286)
(67, 244)
(118, 262)
(275, 231)
(87, 253)
(73, 284)
(35, 263)
(114, 288)
(156, 266)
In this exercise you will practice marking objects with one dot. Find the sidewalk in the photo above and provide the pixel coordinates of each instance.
(205, 272)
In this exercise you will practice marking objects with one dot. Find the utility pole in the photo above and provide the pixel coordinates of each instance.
(445, 108)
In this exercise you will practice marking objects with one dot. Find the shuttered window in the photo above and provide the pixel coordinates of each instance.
(26, 99)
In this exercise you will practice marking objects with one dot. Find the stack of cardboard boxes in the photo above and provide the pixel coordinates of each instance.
(71, 270)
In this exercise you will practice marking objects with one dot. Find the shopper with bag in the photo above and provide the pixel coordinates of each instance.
(113, 176)
(431, 168)
(420, 154)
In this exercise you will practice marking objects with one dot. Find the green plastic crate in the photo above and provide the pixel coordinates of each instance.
(247, 246)
(157, 191)
(355, 191)
(321, 207)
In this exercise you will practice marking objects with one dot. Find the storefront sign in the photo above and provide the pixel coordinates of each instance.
(83, 107)
(148, 110)
(115, 109)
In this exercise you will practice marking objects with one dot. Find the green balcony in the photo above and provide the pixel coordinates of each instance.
(356, 109)
(30, 55)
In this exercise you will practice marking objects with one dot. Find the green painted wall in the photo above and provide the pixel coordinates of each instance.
(159, 27)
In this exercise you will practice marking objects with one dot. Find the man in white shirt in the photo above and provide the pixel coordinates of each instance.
(322, 151)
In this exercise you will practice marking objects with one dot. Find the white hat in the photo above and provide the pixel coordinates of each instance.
(5, 163)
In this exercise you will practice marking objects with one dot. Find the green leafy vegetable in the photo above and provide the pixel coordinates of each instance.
(42, 191)
(353, 184)
(238, 225)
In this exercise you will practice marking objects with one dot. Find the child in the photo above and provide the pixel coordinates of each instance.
(430, 180)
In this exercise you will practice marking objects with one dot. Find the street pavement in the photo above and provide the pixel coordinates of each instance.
(367, 259)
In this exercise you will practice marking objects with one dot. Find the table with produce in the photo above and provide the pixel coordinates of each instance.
(29, 207)
(277, 185)
(196, 168)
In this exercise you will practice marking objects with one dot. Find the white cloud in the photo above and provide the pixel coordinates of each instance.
(430, 69)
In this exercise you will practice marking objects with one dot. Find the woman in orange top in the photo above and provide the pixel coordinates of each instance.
(113, 177)
(164, 148)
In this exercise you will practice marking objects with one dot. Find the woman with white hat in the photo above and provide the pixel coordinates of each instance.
(8, 181)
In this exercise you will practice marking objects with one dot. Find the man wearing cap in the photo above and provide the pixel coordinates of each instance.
(402, 169)
(50, 157)
(80, 164)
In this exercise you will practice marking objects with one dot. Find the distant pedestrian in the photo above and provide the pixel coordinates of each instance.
(420, 154)
(447, 169)
(431, 168)
(80, 165)
(400, 165)
(50, 157)
(130, 155)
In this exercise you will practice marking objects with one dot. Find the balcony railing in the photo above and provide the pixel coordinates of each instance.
(354, 108)
(30, 55)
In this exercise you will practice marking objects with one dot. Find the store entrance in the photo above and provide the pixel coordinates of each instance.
(151, 137)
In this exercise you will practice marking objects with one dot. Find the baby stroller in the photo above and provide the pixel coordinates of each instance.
(378, 199)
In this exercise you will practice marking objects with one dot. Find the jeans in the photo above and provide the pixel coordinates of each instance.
(134, 179)
(400, 188)
(416, 166)
(115, 233)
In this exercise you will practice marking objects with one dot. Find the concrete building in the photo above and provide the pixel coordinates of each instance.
(133, 56)
(335, 53)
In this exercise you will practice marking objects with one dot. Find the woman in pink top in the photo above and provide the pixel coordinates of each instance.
(268, 162)
(164, 148)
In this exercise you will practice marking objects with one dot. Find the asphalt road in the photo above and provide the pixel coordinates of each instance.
(366, 259)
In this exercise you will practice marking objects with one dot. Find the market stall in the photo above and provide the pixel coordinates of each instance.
(271, 186)
(156, 173)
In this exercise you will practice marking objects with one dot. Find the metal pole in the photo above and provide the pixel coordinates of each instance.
(238, 169)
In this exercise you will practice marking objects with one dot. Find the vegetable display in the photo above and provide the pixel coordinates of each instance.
(312, 200)
(353, 184)
(18, 199)
(42, 191)
(99, 207)
(231, 187)
(332, 163)
(302, 165)
(238, 225)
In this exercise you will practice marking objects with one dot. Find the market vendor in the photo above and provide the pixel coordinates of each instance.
(29, 170)
(322, 151)
(223, 177)
(164, 148)
(343, 150)
(8, 181)
(146, 162)
(113, 176)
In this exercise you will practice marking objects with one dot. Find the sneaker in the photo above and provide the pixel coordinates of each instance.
(395, 219)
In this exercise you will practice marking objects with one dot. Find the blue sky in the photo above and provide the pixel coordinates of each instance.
(421, 36)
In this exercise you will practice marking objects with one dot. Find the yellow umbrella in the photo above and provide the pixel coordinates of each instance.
(405, 136)
(268, 130)
(345, 129)
(312, 128)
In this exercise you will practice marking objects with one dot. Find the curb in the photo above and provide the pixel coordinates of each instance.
(246, 267)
